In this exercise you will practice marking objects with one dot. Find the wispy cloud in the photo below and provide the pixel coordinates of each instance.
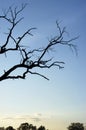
(36, 117)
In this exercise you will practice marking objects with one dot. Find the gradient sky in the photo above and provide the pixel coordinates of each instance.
(62, 100)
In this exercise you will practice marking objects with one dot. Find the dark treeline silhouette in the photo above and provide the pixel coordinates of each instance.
(24, 126)
(27, 126)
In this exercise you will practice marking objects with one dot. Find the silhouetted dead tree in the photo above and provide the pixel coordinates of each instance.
(27, 61)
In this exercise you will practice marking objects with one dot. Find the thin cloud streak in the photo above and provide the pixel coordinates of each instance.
(37, 117)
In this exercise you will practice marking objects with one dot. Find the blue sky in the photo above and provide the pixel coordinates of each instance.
(62, 100)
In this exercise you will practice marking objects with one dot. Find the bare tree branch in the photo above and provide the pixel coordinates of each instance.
(27, 57)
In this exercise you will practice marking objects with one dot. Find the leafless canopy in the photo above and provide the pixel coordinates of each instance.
(27, 63)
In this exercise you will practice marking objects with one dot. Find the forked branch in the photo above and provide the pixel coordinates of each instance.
(27, 57)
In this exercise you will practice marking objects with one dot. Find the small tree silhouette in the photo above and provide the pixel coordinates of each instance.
(41, 128)
(26, 126)
(10, 128)
(76, 126)
(27, 62)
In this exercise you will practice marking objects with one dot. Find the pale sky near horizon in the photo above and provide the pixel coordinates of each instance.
(61, 100)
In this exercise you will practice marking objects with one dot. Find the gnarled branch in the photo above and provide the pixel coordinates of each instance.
(27, 57)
